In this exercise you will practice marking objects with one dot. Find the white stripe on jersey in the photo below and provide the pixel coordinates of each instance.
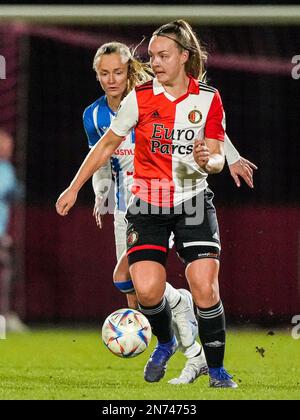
(189, 179)
(95, 119)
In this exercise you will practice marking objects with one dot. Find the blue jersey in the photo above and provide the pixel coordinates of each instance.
(96, 120)
(8, 189)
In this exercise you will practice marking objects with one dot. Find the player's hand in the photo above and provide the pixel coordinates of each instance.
(243, 168)
(66, 201)
(97, 212)
(201, 153)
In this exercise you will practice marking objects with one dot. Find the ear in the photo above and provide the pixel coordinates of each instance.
(185, 56)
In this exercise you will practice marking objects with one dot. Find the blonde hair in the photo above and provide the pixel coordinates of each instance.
(138, 72)
(182, 33)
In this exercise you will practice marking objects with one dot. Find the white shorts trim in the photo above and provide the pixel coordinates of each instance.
(201, 243)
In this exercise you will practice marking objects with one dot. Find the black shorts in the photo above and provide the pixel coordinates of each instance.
(194, 224)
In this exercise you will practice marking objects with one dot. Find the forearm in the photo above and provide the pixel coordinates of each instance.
(96, 158)
(216, 159)
(215, 164)
(102, 181)
(231, 153)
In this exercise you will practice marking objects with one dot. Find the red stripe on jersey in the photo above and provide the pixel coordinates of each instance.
(153, 179)
(214, 128)
(142, 247)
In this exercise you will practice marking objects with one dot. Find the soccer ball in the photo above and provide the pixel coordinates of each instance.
(126, 333)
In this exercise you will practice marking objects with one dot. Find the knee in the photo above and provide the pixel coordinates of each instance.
(120, 274)
(150, 282)
(207, 295)
(148, 297)
(203, 280)
(210, 292)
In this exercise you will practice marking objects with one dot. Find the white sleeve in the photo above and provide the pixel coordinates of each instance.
(127, 115)
(102, 180)
(231, 154)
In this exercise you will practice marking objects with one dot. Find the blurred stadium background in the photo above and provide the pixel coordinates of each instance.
(64, 266)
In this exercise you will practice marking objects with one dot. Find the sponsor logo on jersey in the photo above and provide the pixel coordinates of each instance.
(155, 114)
(195, 116)
(170, 149)
(124, 152)
(160, 132)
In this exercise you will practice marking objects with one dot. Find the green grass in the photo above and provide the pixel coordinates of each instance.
(74, 364)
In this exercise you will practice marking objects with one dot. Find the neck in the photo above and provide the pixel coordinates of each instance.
(114, 102)
(177, 87)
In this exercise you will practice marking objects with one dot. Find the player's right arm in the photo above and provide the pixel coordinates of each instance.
(96, 158)
(121, 125)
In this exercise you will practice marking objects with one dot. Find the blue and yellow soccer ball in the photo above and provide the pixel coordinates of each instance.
(126, 333)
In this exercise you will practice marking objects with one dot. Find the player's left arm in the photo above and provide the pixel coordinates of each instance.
(209, 153)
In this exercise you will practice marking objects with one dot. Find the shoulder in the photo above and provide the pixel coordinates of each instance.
(145, 86)
(88, 112)
(212, 94)
(204, 87)
(144, 93)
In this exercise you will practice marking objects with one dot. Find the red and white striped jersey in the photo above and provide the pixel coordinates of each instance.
(165, 172)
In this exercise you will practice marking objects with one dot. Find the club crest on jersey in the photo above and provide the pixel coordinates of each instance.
(132, 239)
(195, 116)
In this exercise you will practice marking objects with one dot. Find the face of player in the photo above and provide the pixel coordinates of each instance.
(6, 147)
(112, 75)
(166, 60)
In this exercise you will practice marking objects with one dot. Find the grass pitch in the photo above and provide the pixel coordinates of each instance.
(74, 364)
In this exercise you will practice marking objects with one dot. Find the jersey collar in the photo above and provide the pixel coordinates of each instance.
(193, 87)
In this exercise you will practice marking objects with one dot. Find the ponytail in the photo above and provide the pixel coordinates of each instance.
(182, 33)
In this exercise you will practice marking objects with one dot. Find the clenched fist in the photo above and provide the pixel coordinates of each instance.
(66, 201)
(201, 153)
